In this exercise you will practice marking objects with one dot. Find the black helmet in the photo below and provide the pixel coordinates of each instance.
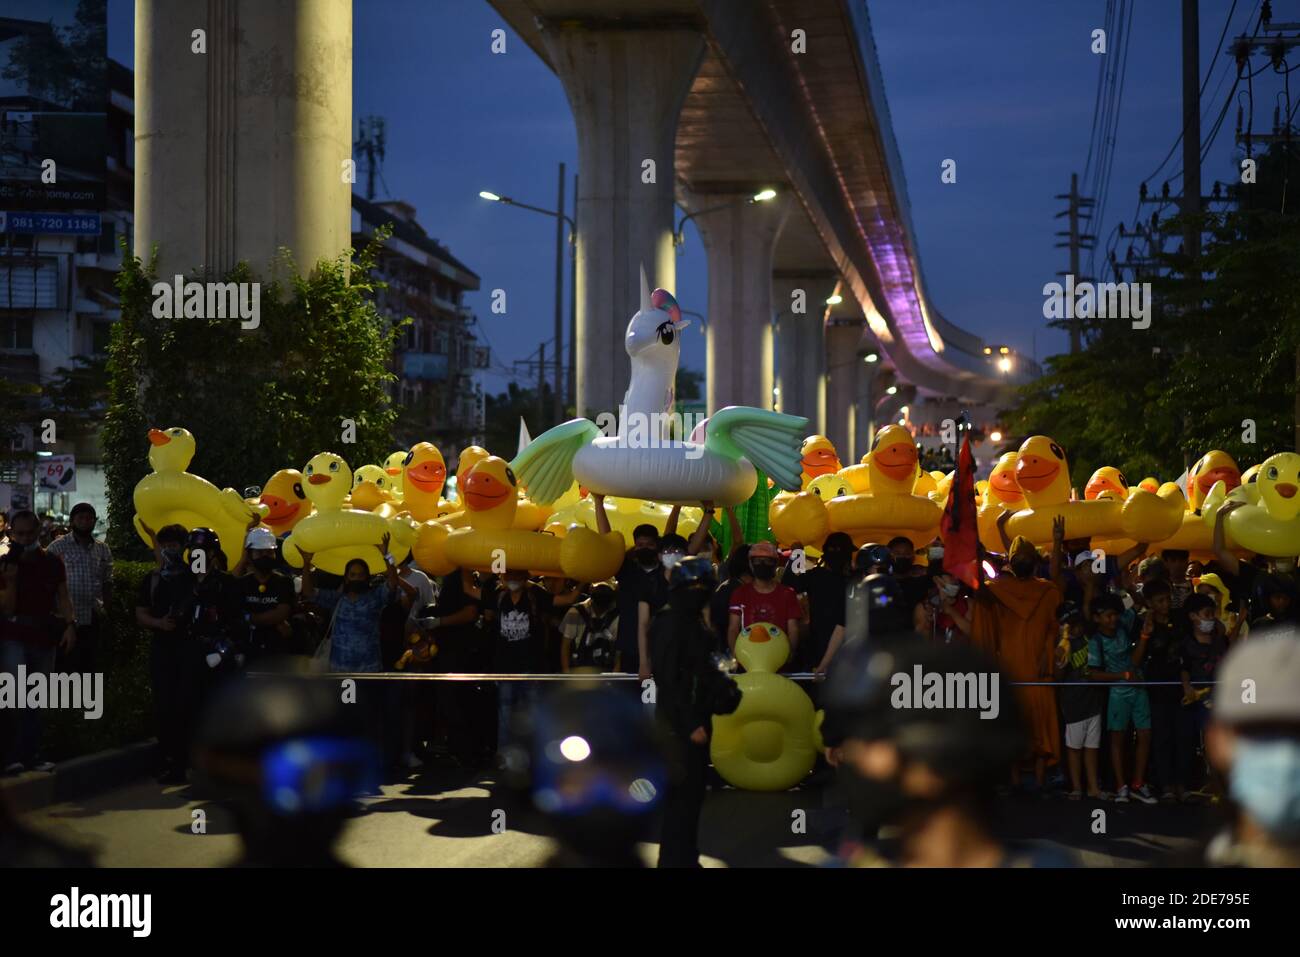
(204, 538)
(694, 570)
(869, 696)
(877, 607)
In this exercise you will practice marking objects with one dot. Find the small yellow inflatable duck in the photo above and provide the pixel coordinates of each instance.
(492, 543)
(1002, 495)
(1267, 522)
(286, 502)
(624, 515)
(393, 469)
(1193, 536)
(334, 535)
(1044, 476)
(817, 457)
(370, 488)
(173, 496)
(423, 475)
(771, 741)
(1108, 481)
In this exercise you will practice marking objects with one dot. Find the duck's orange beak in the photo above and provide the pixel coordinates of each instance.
(158, 437)
(820, 462)
(318, 478)
(1004, 487)
(897, 461)
(393, 471)
(428, 476)
(280, 509)
(484, 491)
(1035, 473)
(1094, 489)
(759, 634)
(1285, 489)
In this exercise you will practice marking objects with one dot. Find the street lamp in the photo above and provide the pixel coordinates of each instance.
(560, 218)
(762, 196)
(834, 300)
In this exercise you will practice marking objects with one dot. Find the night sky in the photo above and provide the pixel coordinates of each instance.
(1004, 87)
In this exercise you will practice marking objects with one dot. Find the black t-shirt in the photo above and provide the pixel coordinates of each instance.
(720, 609)
(636, 585)
(256, 598)
(458, 646)
(1162, 662)
(1079, 702)
(519, 629)
(825, 589)
(206, 608)
(680, 650)
(1200, 661)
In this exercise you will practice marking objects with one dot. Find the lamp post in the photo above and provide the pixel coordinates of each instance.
(560, 218)
(872, 359)
(762, 196)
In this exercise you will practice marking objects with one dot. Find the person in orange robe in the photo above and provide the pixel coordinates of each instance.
(1014, 620)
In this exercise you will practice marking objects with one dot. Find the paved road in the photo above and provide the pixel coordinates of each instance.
(444, 818)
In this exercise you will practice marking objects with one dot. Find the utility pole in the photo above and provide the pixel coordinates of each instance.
(558, 396)
(541, 386)
(572, 395)
(370, 146)
(1075, 242)
(1191, 206)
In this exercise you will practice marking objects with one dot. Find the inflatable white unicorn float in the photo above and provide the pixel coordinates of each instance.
(641, 461)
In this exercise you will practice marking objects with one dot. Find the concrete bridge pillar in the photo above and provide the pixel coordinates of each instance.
(740, 238)
(625, 87)
(800, 346)
(845, 376)
(240, 150)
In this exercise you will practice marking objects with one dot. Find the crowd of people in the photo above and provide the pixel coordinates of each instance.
(1096, 646)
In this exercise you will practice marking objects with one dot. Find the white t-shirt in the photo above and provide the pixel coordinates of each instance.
(423, 588)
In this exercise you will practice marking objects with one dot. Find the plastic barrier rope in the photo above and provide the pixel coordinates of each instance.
(622, 676)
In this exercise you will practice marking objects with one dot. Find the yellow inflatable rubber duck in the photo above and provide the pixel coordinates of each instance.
(771, 741)
(470, 456)
(624, 515)
(1250, 474)
(492, 543)
(334, 535)
(370, 488)
(393, 469)
(1043, 475)
(1108, 481)
(1193, 536)
(817, 457)
(1150, 484)
(1266, 523)
(423, 475)
(1002, 494)
(173, 496)
(286, 502)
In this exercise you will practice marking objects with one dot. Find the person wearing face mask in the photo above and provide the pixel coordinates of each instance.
(952, 621)
(822, 587)
(1253, 741)
(356, 609)
(265, 596)
(165, 605)
(1013, 618)
(765, 599)
(1202, 650)
(590, 632)
(517, 617)
(928, 774)
(89, 564)
(640, 579)
(39, 619)
(690, 690)
(909, 575)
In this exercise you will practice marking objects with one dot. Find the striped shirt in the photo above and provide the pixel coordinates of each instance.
(88, 567)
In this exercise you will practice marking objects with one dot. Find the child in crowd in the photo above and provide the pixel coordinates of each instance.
(1081, 706)
(1111, 657)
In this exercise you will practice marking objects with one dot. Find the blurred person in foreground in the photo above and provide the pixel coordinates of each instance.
(1253, 740)
(597, 775)
(287, 757)
(928, 776)
(691, 688)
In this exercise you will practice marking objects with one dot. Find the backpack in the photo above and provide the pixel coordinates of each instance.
(595, 646)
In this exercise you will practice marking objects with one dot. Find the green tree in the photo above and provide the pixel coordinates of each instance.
(256, 400)
(65, 65)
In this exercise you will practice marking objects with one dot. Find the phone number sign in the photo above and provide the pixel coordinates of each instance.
(57, 473)
(68, 224)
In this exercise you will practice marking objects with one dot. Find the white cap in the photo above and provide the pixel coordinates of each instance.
(260, 537)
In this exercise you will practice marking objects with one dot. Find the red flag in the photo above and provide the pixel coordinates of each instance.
(958, 528)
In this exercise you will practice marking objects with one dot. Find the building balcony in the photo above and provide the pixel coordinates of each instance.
(424, 366)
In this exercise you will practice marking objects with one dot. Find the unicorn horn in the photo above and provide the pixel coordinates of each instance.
(646, 305)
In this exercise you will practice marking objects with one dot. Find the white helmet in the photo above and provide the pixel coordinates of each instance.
(260, 538)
